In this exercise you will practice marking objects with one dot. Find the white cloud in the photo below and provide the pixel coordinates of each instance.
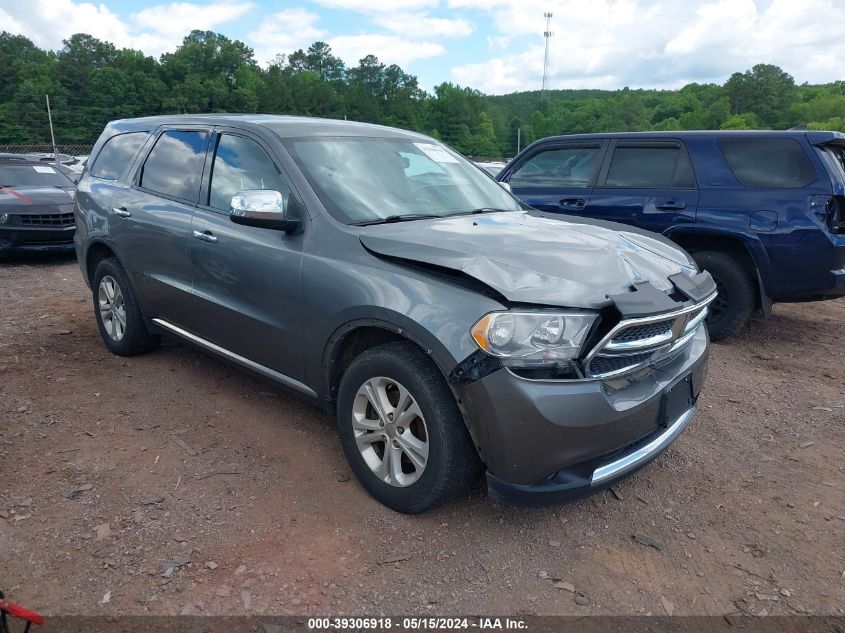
(390, 49)
(378, 6)
(9, 23)
(47, 22)
(654, 43)
(596, 43)
(284, 32)
(154, 30)
(501, 41)
(419, 24)
(177, 18)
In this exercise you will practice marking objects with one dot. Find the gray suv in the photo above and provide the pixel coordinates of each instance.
(448, 327)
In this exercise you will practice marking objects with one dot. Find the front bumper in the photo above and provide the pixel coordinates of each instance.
(36, 239)
(570, 484)
(545, 441)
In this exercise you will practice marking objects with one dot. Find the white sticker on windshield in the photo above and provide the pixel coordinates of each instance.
(436, 153)
(41, 169)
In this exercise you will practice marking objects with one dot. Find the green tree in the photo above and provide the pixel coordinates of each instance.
(205, 74)
(318, 59)
(90, 82)
(746, 121)
(765, 90)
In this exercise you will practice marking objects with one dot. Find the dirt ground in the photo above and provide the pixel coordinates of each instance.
(176, 483)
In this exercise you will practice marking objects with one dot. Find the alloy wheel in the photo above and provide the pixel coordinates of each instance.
(112, 308)
(390, 431)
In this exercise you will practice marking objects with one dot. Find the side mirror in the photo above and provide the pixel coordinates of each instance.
(505, 186)
(263, 208)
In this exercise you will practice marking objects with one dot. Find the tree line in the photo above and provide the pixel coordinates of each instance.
(91, 82)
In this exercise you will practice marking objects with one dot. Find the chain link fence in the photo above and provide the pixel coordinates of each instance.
(46, 151)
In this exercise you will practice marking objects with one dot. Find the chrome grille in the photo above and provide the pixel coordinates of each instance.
(635, 343)
(639, 332)
(47, 219)
(610, 364)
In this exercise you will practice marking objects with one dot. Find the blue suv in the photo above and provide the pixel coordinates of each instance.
(762, 211)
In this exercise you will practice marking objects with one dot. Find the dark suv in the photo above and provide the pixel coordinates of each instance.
(389, 280)
(763, 212)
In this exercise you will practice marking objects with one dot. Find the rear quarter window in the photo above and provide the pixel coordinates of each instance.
(768, 162)
(117, 154)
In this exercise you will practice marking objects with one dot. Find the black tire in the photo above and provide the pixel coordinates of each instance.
(452, 463)
(135, 339)
(732, 309)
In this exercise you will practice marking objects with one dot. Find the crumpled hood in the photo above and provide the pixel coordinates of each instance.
(533, 259)
(26, 198)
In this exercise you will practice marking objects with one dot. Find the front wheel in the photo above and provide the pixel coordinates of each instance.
(401, 429)
(732, 308)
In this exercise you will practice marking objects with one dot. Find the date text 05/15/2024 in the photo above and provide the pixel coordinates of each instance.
(415, 623)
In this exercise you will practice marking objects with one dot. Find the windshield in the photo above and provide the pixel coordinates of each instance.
(32, 175)
(365, 179)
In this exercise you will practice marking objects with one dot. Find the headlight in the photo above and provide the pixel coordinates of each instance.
(532, 338)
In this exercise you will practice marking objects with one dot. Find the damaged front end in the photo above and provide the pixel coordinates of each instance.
(643, 327)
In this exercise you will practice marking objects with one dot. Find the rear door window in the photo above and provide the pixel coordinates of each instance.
(558, 167)
(174, 165)
(658, 166)
(240, 164)
(116, 155)
(768, 162)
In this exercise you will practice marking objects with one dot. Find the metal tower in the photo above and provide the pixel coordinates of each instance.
(546, 34)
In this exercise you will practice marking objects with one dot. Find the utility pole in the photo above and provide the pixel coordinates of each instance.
(52, 136)
(548, 35)
(518, 139)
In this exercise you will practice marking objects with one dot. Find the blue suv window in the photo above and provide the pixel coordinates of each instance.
(558, 167)
(650, 167)
(768, 162)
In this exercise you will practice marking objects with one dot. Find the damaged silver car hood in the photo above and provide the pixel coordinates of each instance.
(532, 259)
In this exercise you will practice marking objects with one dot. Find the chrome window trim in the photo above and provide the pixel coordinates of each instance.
(249, 364)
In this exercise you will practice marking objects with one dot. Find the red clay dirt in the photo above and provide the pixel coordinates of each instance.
(176, 483)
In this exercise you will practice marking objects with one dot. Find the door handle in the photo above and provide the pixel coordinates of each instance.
(122, 212)
(573, 203)
(671, 205)
(205, 237)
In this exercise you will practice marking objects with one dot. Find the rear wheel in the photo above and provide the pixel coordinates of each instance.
(117, 312)
(732, 308)
(401, 429)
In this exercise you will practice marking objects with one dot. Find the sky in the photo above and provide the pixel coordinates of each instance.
(496, 46)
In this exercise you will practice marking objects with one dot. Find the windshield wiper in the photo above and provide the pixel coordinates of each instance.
(405, 217)
(483, 210)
